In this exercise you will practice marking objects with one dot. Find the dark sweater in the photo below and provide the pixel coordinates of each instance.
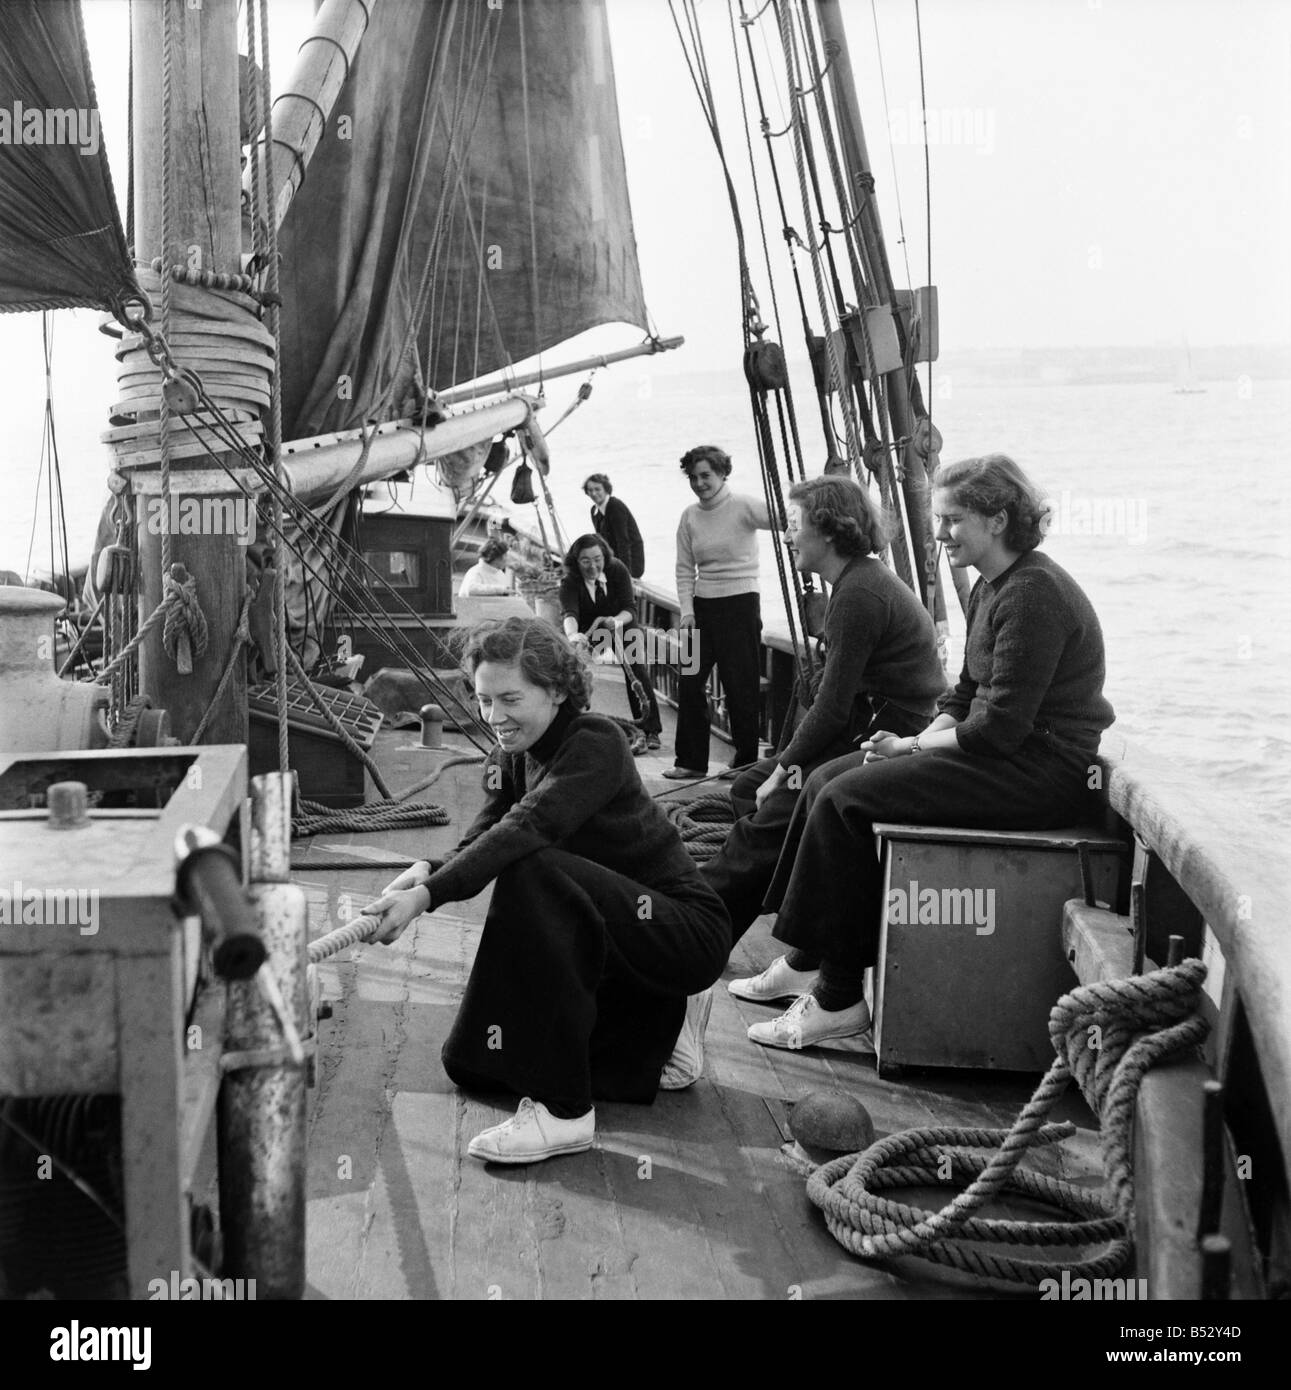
(879, 641)
(577, 789)
(618, 527)
(575, 599)
(1033, 663)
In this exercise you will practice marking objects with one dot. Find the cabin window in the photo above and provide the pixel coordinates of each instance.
(401, 569)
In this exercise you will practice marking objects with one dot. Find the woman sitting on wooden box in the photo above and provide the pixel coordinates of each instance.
(599, 926)
(1012, 748)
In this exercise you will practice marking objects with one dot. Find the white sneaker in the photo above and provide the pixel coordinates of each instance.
(778, 981)
(532, 1134)
(686, 1065)
(804, 1023)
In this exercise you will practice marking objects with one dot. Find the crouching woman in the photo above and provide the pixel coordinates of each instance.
(599, 925)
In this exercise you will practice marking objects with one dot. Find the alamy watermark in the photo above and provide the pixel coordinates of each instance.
(22, 906)
(944, 907)
(34, 125)
(647, 646)
(969, 126)
(1082, 514)
(177, 515)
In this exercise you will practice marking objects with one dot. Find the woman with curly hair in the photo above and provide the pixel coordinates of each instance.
(599, 926)
(717, 592)
(1011, 748)
(881, 671)
(612, 519)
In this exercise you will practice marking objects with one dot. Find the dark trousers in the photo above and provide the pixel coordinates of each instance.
(742, 869)
(728, 632)
(828, 883)
(579, 985)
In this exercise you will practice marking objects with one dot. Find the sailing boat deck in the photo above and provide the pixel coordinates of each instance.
(687, 1198)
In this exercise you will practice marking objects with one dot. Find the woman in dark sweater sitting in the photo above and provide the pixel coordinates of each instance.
(596, 603)
(599, 925)
(881, 671)
(1012, 747)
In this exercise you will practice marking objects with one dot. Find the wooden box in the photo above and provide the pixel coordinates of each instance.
(971, 958)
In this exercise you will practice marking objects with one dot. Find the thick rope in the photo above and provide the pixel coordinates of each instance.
(184, 633)
(1107, 1036)
(702, 823)
(316, 819)
(133, 645)
(362, 928)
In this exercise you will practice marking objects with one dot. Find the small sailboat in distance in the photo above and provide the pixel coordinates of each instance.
(1187, 383)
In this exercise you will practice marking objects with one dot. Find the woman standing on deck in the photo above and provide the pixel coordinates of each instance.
(612, 519)
(881, 671)
(599, 925)
(1011, 748)
(717, 591)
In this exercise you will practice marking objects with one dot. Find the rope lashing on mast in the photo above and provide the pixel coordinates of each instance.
(1107, 1036)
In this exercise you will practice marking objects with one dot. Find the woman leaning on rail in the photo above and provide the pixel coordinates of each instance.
(599, 926)
(717, 591)
(1011, 747)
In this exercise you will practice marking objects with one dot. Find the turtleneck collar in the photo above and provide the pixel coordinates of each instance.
(546, 746)
(713, 502)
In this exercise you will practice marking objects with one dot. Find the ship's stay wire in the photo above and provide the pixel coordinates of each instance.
(753, 328)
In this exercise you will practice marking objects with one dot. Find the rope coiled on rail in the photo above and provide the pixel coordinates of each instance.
(703, 823)
(317, 819)
(1106, 1035)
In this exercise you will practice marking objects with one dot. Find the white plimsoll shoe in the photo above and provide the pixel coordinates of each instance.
(686, 1065)
(532, 1134)
(778, 981)
(804, 1023)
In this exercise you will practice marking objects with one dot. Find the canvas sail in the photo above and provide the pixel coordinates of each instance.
(471, 182)
(61, 243)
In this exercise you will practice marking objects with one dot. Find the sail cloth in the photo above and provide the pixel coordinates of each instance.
(61, 243)
(453, 115)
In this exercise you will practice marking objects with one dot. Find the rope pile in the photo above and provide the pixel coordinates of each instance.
(703, 823)
(317, 819)
(1107, 1036)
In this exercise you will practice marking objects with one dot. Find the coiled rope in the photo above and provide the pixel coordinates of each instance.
(702, 823)
(1106, 1036)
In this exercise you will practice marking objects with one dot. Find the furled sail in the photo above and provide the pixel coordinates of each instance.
(467, 208)
(61, 243)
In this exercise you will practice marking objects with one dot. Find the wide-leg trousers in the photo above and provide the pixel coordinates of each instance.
(728, 631)
(828, 882)
(580, 981)
(742, 869)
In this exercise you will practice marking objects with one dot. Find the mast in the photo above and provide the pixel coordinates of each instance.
(902, 401)
(207, 235)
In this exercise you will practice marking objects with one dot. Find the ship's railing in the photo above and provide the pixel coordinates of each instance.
(1209, 870)
(659, 612)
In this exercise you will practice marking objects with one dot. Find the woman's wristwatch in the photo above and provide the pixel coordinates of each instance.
(914, 747)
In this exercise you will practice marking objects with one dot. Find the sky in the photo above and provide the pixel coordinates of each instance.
(1102, 172)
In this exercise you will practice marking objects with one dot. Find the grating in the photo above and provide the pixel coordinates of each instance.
(359, 717)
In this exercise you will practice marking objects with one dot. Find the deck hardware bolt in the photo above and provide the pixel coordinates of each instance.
(67, 803)
(432, 726)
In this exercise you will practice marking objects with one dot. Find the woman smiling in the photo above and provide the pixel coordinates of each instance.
(599, 926)
(1011, 747)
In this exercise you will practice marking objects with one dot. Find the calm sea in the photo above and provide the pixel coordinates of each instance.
(1191, 573)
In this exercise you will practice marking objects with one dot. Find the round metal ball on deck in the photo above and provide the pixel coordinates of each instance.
(825, 1124)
